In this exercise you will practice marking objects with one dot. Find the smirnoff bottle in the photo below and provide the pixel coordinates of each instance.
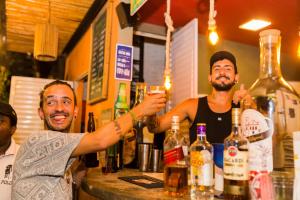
(175, 167)
(201, 166)
(269, 127)
(236, 162)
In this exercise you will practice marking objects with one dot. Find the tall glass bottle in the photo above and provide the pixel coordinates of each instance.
(175, 166)
(201, 166)
(132, 162)
(236, 162)
(115, 152)
(91, 159)
(269, 128)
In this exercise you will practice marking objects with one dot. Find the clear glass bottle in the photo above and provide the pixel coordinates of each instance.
(236, 162)
(132, 143)
(269, 128)
(91, 159)
(201, 153)
(175, 166)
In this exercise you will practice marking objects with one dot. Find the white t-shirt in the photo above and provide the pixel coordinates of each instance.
(6, 166)
(40, 170)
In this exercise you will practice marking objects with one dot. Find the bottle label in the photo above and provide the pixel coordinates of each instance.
(259, 130)
(201, 168)
(235, 164)
(173, 155)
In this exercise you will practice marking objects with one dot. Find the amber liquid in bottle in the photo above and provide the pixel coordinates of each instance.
(175, 166)
(236, 162)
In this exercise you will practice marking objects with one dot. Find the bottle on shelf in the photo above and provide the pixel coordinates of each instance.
(236, 162)
(91, 159)
(115, 152)
(201, 153)
(175, 166)
(131, 159)
(269, 127)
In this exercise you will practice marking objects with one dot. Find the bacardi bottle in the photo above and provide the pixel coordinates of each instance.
(236, 162)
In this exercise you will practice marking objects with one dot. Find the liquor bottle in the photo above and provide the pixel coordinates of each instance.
(131, 161)
(269, 127)
(91, 158)
(175, 167)
(236, 162)
(115, 152)
(201, 166)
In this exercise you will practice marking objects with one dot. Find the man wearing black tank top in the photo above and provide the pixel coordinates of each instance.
(214, 109)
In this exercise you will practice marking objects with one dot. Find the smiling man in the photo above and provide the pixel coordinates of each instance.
(42, 163)
(214, 109)
(8, 148)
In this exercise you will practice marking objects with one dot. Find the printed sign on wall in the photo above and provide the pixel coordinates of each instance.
(124, 59)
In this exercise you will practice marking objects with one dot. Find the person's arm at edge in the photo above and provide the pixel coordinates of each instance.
(184, 110)
(109, 134)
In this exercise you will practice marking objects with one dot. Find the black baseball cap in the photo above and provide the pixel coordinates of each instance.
(221, 55)
(7, 110)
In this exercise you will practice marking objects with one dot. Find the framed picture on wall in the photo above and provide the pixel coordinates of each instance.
(98, 73)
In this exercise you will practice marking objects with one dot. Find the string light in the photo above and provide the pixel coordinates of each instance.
(212, 28)
(170, 29)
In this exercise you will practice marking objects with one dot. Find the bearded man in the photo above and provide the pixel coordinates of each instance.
(214, 109)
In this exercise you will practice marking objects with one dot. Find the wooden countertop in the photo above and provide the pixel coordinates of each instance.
(111, 188)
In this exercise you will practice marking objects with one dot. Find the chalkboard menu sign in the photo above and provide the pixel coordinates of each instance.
(98, 75)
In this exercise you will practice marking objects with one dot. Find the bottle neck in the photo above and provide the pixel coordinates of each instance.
(122, 93)
(269, 58)
(91, 124)
(201, 137)
(235, 129)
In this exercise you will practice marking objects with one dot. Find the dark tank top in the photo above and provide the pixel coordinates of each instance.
(218, 125)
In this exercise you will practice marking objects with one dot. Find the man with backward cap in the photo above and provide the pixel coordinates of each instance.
(214, 109)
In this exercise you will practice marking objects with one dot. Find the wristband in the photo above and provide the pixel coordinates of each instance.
(133, 117)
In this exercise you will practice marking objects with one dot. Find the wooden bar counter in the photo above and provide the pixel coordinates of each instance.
(109, 187)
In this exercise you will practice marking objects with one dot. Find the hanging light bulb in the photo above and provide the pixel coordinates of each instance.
(213, 35)
(167, 80)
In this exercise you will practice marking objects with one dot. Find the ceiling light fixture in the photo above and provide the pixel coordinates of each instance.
(46, 40)
(255, 24)
(212, 28)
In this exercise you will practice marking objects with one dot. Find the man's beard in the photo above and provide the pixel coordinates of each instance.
(52, 128)
(222, 86)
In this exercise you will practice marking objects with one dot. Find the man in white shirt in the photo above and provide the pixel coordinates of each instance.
(8, 148)
(42, 163)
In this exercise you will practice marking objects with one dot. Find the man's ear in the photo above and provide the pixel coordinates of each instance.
(41, 114)
(236, 78)
(12, 130)
(76, 111)
(209, 78)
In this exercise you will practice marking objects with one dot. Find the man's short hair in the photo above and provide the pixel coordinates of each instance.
(7, 110)
(221, 55)
(56, 82)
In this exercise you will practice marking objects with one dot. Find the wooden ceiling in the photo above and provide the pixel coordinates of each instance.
(23, 15)
(283, 14)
